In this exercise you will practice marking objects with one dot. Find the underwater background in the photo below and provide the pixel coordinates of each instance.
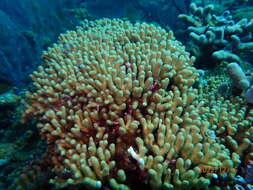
(126, 94)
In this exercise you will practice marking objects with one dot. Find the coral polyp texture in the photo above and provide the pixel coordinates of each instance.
(115, 102)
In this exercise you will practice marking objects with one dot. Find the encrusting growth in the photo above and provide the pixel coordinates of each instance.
(116, 101)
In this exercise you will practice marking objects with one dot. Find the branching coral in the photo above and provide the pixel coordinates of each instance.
(218, 37)
(115, 102)
(231, 119)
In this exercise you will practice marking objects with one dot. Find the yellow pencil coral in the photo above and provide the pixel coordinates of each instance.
(230, 117)
(116, 101)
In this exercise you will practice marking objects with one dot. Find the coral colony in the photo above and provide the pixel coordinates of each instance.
(124, 105)
(118, 108)
(218, 36)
